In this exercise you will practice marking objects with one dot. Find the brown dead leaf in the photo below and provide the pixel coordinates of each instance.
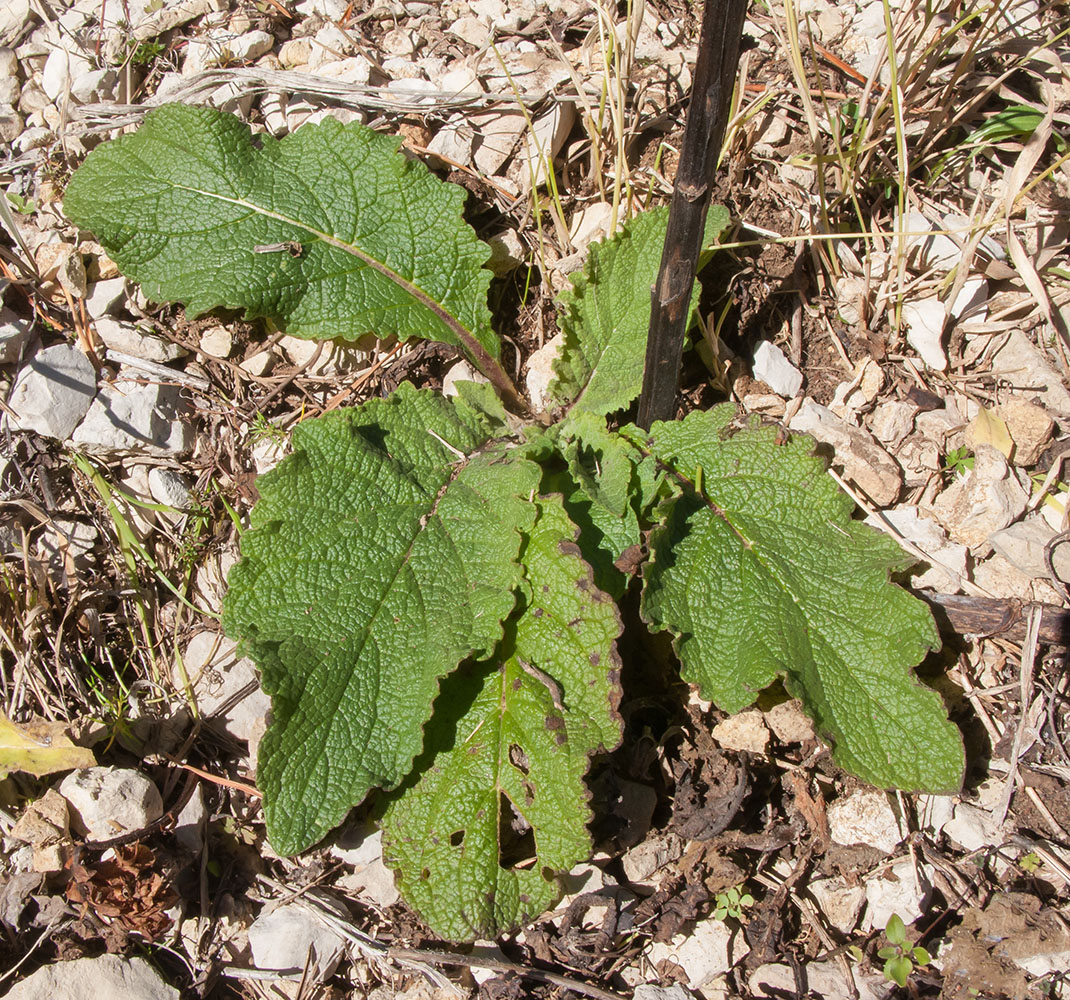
(124, 891)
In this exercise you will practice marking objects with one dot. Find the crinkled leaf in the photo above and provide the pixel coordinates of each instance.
(764, 572)
(600, 490)
(507, 750)
(606, 315)
(182, 204)
(375, 563)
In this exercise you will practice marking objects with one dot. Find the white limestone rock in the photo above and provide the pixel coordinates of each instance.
(53, 392)
(131, 339)
(216, 675)
(540, 373)
(771, 366)
(292, 935)
(93, 978)
(14, 335)
(132, 417)
(865, 817)
(708, 951)
(987, 499)
(864, 461)
(107, 802)
(904, 888)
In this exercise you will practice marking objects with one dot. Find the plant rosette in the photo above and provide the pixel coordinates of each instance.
(429, 585)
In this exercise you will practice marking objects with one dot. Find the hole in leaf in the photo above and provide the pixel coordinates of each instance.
(518, 758)
(456, 838)
(516, 839)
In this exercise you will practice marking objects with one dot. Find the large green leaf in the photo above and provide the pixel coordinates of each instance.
(606, 314)
(377, 560)
(183, 204)
(508, 747)
(759, 570)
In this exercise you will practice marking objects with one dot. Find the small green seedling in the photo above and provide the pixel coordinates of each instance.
(731, 903)
(899, 957)
(430, 585)
(1030, 862)
(958, 461)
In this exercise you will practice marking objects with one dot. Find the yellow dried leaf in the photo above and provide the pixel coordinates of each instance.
(987, 428)
(40, 748)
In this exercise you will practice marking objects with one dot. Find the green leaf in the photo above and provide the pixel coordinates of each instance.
(600, 489)
(921, 955)
(508, 748)
(376, 562)
(896, 931)
(898, 970)
(766, 573)
(182, 204)
(607, 315)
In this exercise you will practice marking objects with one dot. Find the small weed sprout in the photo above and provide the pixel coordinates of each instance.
(731, 903)
(899, 957)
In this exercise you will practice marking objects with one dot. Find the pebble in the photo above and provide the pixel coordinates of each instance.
(898, 889)
(94, 86)
(987, 499)
(823, 979)
(9, 64)
(973, 828)
(11, 123)
(839, 902)
(169, 488)
(132, 417)
(292, 936)
(1022, 544)
(771, 366)
(789, 723)
(107, 802)
(362, 848)
(708, 951)
(104, 296)
(130, 339)
(32, 99)
(924, 319)
(539, 373)
(53, 392)
(893, 421)
(649, 991)
(865, 817)
(743, 731)
(1030, 427)
(462, 371)
(216, 674)
(1025, 366)
(947, 569)
(61, 68)
(92, 978)
(399, 42)
(864, 460)
(295, 52)
(507, 253)
(543, 141)
(217, 342)
(649, 857)
(14, 335)
(9, 91)
(67, 546)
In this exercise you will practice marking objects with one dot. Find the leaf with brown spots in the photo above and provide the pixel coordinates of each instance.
(500, 808)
